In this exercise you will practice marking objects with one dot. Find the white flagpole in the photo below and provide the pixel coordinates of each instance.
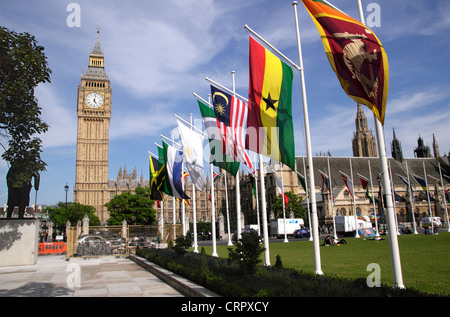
(213, 212)
(307, 200)
(354, 200)
(393, 239)
(284, 207)
(213, 207)
(161, 216)
(332, 199)
(238, 190)
(226, 204)
(411, 199)
(377, 234)
(315, 223)
(257, 202)
(445, 200)
(264, 213)
(393, 196)
(194, 207)
(428, 197)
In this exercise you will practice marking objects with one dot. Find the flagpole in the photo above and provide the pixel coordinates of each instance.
(377, 234)
(354, 202)
(307, 200)
(445, 200)
(194, 207)
(226, 204)
(264, 213)
(315, 224)
(284, 207)
(393, 239)
(393, 196)
(332, 199)
(238, 190)
(183, 203)
(411, 198)
(428, 197)
(213, 212)
(257, 203)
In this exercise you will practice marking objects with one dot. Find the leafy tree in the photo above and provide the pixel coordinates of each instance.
(294, 204)
(247, 252)
(135, 209)
(75, 212)
(23, 65)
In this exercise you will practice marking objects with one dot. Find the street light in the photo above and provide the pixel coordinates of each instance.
(66, 188)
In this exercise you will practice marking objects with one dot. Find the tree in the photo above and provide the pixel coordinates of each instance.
(23, 65)
(135, 209)
(294, 204)
(75, 213)
(247, 252)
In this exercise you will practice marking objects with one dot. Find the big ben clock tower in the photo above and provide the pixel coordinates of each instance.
(94, 115)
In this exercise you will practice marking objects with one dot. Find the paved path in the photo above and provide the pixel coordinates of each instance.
(53, 276)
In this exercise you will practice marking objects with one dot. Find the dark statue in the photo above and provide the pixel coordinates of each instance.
(18, 180)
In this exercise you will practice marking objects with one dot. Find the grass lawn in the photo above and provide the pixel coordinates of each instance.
(425, 259)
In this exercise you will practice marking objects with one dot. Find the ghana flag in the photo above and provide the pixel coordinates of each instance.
(355, 54)
(269, 123)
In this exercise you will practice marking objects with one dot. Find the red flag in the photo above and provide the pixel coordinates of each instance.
(355, 54)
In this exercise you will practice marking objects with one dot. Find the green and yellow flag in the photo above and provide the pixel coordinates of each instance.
(270, 129)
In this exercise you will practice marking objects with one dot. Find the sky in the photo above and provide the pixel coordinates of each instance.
(159, 52)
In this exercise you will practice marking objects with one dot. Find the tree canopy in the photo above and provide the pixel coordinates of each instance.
(75, 212)
(135, 209)
(294, 204)
(23, 65)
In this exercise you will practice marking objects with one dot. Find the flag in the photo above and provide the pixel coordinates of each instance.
(155, 194)
(163, 186)
(302, 181)
(269, 125)
(174, 166)
(280, 189)
(326, 183)
(216, 176)
(253, 182)
(423, 183)
(231, 115)
(364, 182)
(217, 158)
(193, 155)
(408, 185)
(348, 182)
(355, 54)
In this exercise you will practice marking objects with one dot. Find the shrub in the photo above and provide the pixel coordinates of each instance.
(247, 252)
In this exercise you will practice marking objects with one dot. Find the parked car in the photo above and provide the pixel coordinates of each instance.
(302, 233)
(91, 238)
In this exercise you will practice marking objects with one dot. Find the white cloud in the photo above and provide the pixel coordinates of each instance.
(62, 122)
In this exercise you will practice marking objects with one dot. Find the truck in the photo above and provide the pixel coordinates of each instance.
(346, 224)
(277, 226)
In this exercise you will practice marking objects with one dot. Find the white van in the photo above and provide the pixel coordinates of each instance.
(436, 222)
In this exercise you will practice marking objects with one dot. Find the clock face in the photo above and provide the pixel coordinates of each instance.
(94, 100)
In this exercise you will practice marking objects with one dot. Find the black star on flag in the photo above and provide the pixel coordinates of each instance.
(270, 102)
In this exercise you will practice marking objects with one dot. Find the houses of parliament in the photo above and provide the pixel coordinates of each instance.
(92, 186)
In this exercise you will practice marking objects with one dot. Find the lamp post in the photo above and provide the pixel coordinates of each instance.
(66, 188)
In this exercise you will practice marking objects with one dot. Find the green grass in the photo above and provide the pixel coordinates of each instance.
(425, 259)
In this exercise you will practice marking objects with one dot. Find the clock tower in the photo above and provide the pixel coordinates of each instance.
(94, 116)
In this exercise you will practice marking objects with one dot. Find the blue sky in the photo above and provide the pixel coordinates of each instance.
(158, 53)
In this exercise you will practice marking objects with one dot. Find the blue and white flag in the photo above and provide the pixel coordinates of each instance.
(174, 166)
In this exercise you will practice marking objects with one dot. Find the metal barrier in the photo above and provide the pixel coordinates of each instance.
(51, 247)
(118, 240)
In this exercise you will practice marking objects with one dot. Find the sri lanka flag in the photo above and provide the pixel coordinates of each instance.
(355, 54)
(269, 123)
